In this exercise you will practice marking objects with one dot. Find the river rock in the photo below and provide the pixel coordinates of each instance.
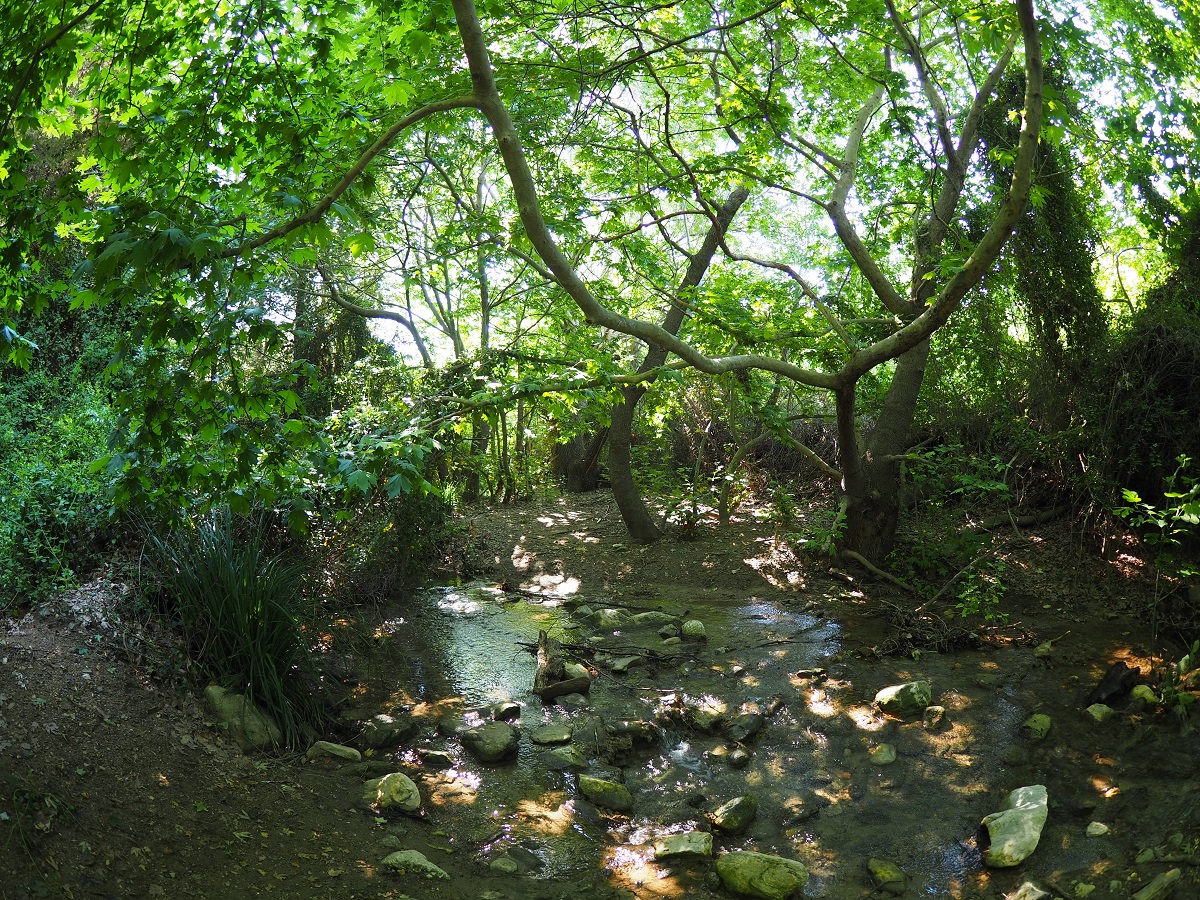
(908, 699)
(413, 862)
(735, 816)
(387, 731)
(438, 760)
(493, 742)
(563, 758)
(759, 875)
(887, 876)
(1142, 696)
(738, 758)
(1160, 887)
(609, 794)
(575, 670)
(394, 791)
(933, 717)
(1028, 891)
(611, 618)
(551, 734)
(250, 726)
(506, 711)
(639, 730)
(653, 617)
(883, 755)
(623, 664)
(505, 865)
(1013, 833)
(1100, 712)
(329, 749)
(1036, 727)
(693, 630)
(688, 843)
(743, 727)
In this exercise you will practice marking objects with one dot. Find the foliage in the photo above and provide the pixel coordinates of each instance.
(1166, 527)
(244, 610)
(1178, 682)
(55, 517)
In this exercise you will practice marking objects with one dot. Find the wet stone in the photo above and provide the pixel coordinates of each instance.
(625, 663)
(883, 755)
(506, 711)
(739, 759)
(383, 731)
(688, 844)
(563, 758)
(608, 794)
(438, 760)
(505, 865)
(744, 727)
(693, 630)
(908, 699)
(933, 718)
(887, 876)
(572, 701)
(551, 734)
(735, 816)
(394, 791)
(491, 743)
(653, 617)
(759, 875)
(638, 729)
(1036, 727)
(1100, 712)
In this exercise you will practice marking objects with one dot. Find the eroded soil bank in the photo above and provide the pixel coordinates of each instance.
(127, 789)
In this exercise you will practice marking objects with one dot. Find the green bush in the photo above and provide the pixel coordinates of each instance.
(244, 611)
(54, 513)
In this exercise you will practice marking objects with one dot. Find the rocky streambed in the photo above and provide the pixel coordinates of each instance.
(735, 747)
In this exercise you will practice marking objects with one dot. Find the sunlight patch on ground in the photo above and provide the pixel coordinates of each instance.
(866, 718)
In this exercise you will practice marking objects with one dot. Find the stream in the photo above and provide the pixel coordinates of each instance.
(659, 715)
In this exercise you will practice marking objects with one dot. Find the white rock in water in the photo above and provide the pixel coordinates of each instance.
(1014, 832)
(1097, 829)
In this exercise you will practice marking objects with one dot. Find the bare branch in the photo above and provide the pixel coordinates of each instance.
(836, 207)
(953, 162)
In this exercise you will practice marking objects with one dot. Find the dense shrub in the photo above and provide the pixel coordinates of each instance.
(54, 512)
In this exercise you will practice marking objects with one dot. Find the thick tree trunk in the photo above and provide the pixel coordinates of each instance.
(641, 525)
(871, 475)
(577, 461)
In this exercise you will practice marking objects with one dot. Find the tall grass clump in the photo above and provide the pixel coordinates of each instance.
(244, 612)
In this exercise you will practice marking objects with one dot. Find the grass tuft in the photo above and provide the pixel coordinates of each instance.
(244, 612)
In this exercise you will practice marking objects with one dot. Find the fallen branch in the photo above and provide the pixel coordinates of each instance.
(1026, 521)
(876, 571)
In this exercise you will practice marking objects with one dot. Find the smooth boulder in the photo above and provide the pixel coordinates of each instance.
(393, 791)
(493, 742)
(760, 875)
(1014, 832)
(688, 843)
(250, 726)
(413, 862)
(909, 699)
(608, 794)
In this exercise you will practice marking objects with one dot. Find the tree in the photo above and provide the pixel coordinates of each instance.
(939, 277)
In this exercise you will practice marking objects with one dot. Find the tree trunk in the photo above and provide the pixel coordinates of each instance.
(871, 480)
(577, 461)
(639, 522)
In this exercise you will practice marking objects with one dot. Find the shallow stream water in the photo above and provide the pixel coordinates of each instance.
(823, 797)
